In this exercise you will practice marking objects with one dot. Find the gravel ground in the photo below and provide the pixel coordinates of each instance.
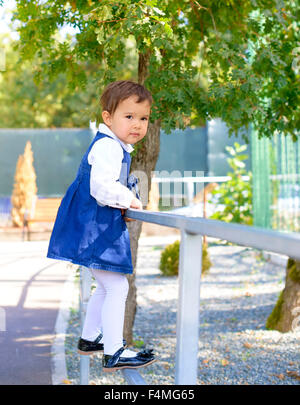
(237, 296)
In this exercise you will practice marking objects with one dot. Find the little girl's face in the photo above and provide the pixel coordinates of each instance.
(130, 120)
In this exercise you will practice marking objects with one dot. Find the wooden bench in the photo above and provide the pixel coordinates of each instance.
(43, 210)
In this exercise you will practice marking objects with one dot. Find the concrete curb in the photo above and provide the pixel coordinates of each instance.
(58, 359)
(275, 258)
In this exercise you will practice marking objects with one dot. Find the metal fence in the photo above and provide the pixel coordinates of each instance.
(276, 182)
(190, 264)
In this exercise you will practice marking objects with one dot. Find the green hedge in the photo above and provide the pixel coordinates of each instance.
(169, 260)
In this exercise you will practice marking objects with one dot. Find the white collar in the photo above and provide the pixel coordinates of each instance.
(105, 130)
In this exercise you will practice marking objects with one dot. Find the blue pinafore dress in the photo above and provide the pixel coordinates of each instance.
(87, 233)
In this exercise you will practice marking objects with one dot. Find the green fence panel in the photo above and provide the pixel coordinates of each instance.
(276, 182)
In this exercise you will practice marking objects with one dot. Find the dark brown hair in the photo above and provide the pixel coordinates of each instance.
(120, 90)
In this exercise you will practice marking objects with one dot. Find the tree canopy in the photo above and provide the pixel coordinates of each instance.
(233, 59)
(28, 103)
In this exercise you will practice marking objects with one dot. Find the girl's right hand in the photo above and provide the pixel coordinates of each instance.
(135, 203)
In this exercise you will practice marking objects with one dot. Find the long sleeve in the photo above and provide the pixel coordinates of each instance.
(106, 157)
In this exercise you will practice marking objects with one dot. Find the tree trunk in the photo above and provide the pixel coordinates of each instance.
(285, 316)
(145, 161)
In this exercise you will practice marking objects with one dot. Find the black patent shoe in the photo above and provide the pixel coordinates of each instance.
(116, 362)
(87, 347)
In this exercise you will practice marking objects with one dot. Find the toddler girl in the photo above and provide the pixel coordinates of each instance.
(90, 229)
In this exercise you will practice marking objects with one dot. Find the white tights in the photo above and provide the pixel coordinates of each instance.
(106, 310)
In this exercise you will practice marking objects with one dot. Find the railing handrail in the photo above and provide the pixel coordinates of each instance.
(264, 239)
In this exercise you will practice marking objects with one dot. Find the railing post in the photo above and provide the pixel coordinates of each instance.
(133, 377)
(84, 295)
(190, 265)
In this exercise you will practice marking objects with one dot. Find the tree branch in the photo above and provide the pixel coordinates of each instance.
(208, 10)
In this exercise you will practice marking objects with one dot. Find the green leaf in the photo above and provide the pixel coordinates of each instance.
(158, 11)
(230, 150)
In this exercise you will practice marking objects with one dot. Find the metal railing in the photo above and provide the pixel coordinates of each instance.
(190, 264)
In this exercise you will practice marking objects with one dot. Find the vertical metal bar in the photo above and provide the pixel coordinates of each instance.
(84, 294)
(190, 265)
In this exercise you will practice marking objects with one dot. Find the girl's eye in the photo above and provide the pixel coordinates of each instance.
(144, 119)
(129, 116)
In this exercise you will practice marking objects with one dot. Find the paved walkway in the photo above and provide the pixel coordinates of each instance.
(31, 289)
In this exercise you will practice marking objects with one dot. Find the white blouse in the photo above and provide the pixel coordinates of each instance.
(106, 157)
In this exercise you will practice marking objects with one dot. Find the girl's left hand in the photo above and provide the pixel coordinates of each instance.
(123, 210)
